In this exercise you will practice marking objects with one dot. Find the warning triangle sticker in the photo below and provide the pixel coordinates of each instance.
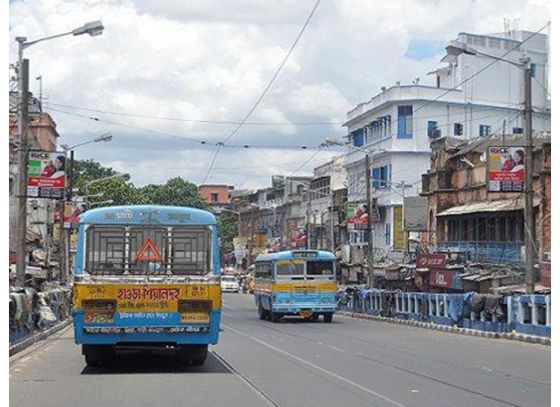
(148, 252)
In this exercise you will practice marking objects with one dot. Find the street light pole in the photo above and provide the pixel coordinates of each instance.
(529, 219)
(370, 222)
(23, 85)
(93, 28)
(457, 48)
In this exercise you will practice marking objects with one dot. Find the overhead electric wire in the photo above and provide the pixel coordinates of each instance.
(179, 119)
(266, 89)
(191, 139)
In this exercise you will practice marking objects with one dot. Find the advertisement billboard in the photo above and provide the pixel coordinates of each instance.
(46, 174)
(72, 212)
(415, 213)
(441, 278)
(506, 169)
(431, 260)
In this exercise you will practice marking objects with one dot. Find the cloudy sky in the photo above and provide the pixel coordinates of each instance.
(163, 69)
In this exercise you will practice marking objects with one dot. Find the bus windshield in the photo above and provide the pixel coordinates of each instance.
(320, 268)
(147, 250)
(289, 268)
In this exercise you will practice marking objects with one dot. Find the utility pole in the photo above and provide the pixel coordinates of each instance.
(23, 117)
(529, 219)
(332, 222)
(307, 229)
(370, 222)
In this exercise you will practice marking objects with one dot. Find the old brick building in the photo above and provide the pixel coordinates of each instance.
(464, 216)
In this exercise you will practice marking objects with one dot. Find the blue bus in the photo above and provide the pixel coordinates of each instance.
(295, 283)
(147, 276)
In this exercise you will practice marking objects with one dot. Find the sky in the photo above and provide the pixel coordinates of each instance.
(163, 69)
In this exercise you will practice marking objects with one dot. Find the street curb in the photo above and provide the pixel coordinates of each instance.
(26, 343)
(451, 329)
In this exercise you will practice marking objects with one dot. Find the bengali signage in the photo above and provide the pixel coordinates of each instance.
(431, 261)
(441, 278)
(46, 174)
(506, 169)
(146, 298)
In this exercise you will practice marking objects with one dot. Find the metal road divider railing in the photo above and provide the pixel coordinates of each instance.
(526, 314)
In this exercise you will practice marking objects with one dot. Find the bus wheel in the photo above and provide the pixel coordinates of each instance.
(98, 355)
(314, 317)
(192, 354)
(275, 317)
(328, 317)
(261, 312)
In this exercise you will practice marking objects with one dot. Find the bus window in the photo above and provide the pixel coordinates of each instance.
(263, 270)
(320, 268)
(289, 268)
(115, 250)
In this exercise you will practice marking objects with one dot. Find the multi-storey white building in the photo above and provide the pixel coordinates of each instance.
(471, 96)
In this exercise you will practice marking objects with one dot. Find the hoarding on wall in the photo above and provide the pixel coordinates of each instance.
(441, 278)
(431, 261)
(416, 213)
(46, 174)
(545, 273)
(506, 169)
(72, 212)
(398, 234)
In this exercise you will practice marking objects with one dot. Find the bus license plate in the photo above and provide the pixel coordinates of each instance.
(196, 317)
(306, 313)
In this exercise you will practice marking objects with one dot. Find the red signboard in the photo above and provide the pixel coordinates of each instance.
(431, 261)
(506, 170)
(441, 278)
(545, 273)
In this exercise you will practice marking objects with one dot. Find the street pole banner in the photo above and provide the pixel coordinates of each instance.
(46, 174)
(506, 169)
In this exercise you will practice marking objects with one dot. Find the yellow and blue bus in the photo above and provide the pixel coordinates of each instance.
(295, 283)
(147, 276)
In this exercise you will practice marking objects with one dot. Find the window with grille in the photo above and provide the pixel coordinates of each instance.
(118, 250)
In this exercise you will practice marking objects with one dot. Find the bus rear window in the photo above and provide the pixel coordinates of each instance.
(289, 268)
(138, 250)
(320, 268)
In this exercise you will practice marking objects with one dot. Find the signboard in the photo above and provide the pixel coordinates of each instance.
(431, 261)
(398, 235)
(441, 278)
(545, 273)
(46, 174)
(148, 252)
(506, 169)
(72, 212)
(416, 213)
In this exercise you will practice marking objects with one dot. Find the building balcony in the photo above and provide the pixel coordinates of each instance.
(486, 252)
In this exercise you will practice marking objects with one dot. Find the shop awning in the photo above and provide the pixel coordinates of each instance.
(489, 206)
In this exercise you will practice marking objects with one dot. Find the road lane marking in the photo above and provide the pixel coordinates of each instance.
(321, 369)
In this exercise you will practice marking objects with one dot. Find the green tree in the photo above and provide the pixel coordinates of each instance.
(228, 228)
(176, 192)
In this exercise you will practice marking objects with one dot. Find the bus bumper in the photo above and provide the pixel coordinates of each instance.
(146, 331)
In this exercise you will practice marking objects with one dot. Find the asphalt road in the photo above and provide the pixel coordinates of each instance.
(257, 363)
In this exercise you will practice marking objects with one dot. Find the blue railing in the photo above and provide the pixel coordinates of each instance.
(528, 314)
(493, 252)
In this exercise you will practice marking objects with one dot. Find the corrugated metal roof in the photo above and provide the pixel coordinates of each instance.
(489, 206)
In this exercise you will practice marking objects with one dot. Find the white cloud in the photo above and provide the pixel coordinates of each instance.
(195, 60)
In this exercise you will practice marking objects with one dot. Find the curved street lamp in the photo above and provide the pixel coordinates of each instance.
(93, 28)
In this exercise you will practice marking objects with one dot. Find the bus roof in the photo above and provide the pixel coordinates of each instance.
(148, 214)
(289, 255)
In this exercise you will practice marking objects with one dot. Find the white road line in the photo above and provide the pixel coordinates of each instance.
(313, 365)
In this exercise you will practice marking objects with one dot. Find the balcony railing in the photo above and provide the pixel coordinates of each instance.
(491, 252)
